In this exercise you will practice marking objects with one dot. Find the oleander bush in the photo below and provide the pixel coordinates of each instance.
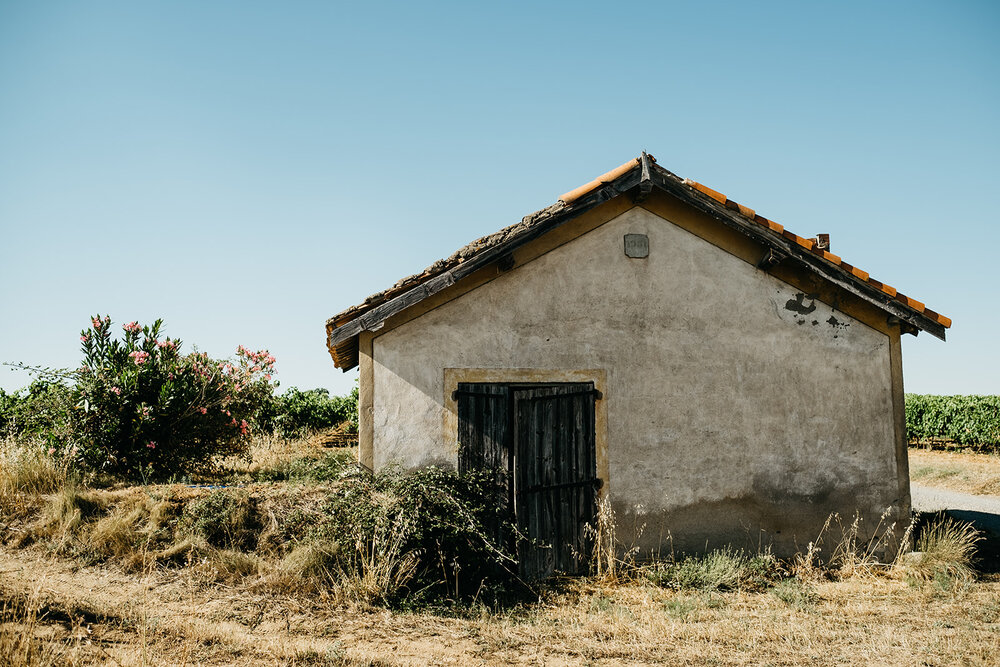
(138, 408)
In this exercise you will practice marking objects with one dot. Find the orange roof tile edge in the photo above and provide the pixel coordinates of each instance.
(576, 193)
(808, 244)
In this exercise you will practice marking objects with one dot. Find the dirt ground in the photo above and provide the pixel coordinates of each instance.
(969, 473)
(107, 617)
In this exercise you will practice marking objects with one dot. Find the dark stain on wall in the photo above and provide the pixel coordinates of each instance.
(798, 305)
(785, 525)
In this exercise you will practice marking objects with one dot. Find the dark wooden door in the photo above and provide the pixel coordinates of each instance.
(485, 436)
(555, 477)
(541, 438)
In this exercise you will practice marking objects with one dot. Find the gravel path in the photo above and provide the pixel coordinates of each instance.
(932, 499)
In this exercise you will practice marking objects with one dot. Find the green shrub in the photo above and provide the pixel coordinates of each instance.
(723, 569)
(796, 593)
(326, 468)
(969, 421)
(296, 412)
(42, 411)
(434, 523)
(225, 518)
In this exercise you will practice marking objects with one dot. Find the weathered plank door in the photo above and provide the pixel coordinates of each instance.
(541, 438)
(484, 434)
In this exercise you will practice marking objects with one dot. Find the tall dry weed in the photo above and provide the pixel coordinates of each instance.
(610, 560)
(23, 643)
(378, 567)
(944, 551)
(856, 550)
(28, 468)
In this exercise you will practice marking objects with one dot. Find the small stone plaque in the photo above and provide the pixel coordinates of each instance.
(637, 246)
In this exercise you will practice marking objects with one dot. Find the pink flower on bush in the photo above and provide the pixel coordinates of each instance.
(52, 450)
(139, 357)
(84, 338)
(244, 427)
(151, 445)
(116, 391)
(203, 410)
(131, 327)
(96, 321)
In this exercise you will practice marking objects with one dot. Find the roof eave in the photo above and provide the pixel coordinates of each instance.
(375, 318)
(342, 338)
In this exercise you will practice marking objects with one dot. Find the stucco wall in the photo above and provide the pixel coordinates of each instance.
(737, 409)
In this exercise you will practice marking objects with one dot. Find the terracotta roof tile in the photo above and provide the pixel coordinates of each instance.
(704, 189)
(941, 319)
(770, 224)
(576, 193)
(745, 210)
(809, 244)
(912, 303)
(855, 271)
(795, 238)
(888, 289)
(829, 256)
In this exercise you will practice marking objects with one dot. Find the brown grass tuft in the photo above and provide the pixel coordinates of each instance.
(27, 469)
(944, 552)
(25, 638)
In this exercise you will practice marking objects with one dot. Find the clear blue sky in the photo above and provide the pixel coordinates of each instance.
(245, 170)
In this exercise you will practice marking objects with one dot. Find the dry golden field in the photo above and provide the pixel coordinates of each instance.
(184, 604)
(97, 615)
(970, 473)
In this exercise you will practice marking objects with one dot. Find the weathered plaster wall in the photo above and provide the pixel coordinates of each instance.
(737, 408)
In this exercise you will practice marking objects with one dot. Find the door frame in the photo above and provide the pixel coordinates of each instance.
(530, 376)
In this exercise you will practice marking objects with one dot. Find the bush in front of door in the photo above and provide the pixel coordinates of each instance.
(419, 535)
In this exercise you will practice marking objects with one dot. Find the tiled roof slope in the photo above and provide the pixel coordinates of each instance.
(570, 204)
(811, 245)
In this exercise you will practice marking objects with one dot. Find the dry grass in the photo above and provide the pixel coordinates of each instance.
(272, 457)
(122, 577)
(944, 552)
(27, 469)
(27, 638)
(166, 617)
(969, 473)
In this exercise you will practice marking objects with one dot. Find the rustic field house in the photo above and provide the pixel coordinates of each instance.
(645, 339)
